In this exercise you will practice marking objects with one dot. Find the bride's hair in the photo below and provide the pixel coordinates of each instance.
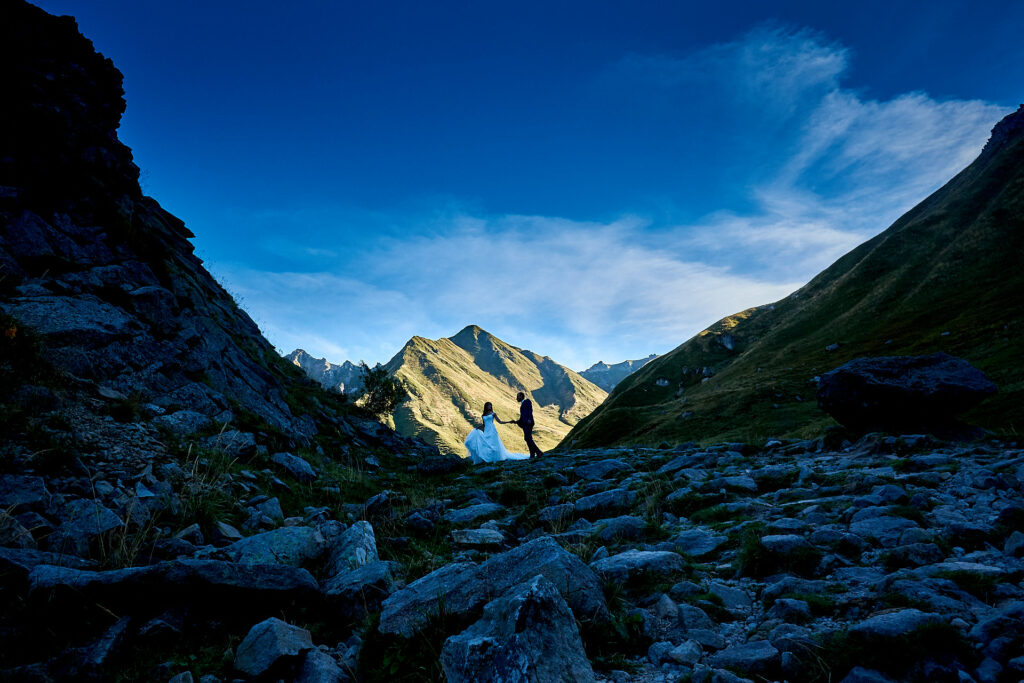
(488, 409)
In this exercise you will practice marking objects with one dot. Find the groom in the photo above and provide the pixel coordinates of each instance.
(525, 423)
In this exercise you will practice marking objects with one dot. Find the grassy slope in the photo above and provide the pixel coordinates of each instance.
(953, 264)
(451, 379)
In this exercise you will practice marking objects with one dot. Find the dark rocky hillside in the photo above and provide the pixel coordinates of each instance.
(946, 277)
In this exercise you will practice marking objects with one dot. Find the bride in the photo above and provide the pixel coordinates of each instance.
(485, 445)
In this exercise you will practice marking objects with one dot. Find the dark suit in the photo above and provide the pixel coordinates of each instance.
(525, 422)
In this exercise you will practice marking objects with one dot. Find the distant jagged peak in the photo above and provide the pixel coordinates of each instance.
(607, 375)
(298, 355)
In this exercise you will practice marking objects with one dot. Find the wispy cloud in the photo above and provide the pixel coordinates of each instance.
(566, 289)
(844, 168)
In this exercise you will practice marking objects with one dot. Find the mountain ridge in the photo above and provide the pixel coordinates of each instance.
(449, 379)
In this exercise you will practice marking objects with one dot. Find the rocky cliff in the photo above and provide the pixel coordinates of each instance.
(450, 379)
(103, 275)
(945, 277)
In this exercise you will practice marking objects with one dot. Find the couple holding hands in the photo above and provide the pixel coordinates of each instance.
(484, 445)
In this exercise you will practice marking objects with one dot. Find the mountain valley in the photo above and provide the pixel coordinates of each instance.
(179, 503)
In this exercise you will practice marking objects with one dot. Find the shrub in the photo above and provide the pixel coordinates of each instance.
(382, 392)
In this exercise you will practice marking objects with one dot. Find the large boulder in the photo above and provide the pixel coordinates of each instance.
(463, 588)
(291, 545)
(902, 394)
(698, 542)
(473, 513)
(22, 492)
(756, 657)
(81, 521)
(17, 563)
(634, 564)
(893, 625)
(296, 467)
(353, 548)
(617, 529)
(269, 642)
(361, 591)
(215, 584)
(601, 469)
(526, 635)
(606, 502)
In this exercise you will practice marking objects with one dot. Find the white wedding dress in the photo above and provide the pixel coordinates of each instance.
(486, 446)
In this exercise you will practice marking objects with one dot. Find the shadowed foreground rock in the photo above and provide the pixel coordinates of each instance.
(267, 643)
(902, 394)
(464, 588)
(528, 634)
(218, 583)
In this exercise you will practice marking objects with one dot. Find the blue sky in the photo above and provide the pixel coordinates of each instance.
(589, 180)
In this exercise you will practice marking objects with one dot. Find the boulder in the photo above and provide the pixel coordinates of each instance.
(633, 564)
(783, 544)
(464, 588)
(739, 483)
(477, 537)
(733, 598)
(440, 464)
(23, 492)
(526, 635)
(473, 513)
(556, 515)
(290, 545)
(320, 667)
(790, 610)
(902, 394)
(224, 533)
(362, 590)
(757, 657)
(1006, 622)
(212, 582)
(353, 548)
(601, 470)
(698, 543)
(456, 586)
(17, 563)
(182, 422)
(267, 643)
(601, 504)
(687, 653)
(884, 530)
(621, 528)
(299, 469)
(859, 674)
(81, 521)
(895, 624)
(13, 534)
